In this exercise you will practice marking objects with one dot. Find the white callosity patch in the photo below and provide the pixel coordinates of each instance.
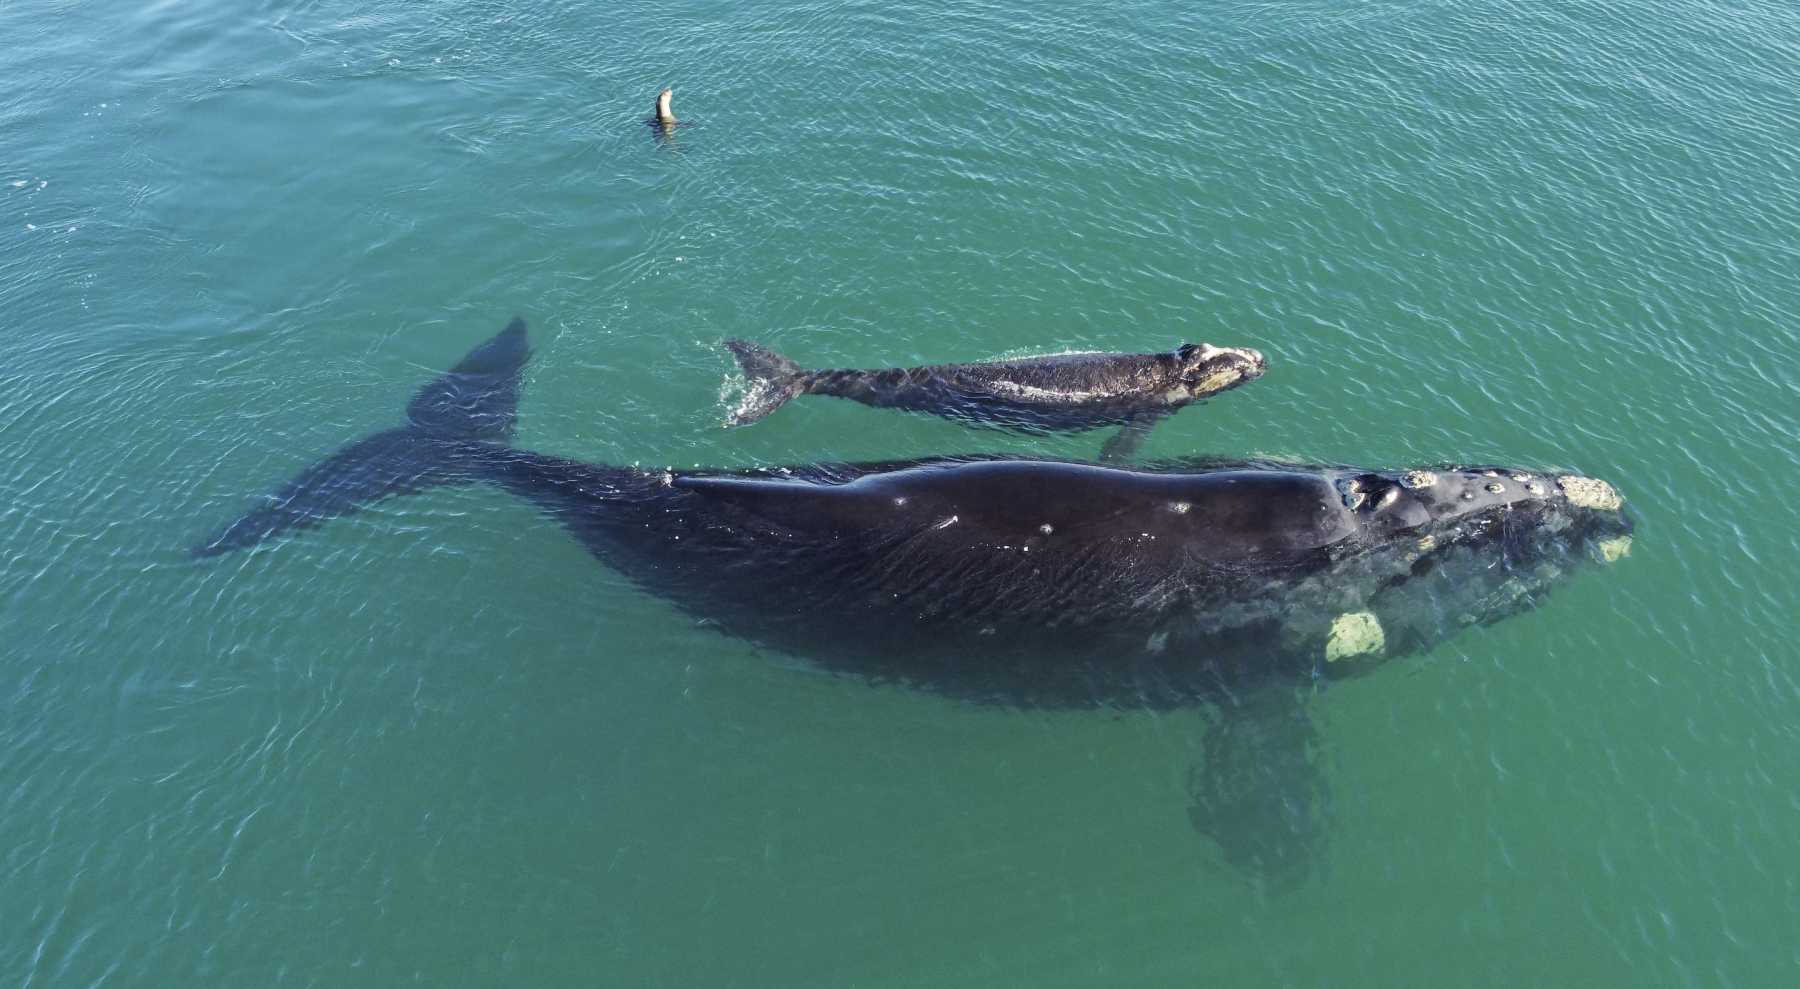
(1357, 633)
(1416, 479)
(1588, 492)
(1611, 550)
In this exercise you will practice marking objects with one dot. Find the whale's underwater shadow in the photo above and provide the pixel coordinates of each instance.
(1227, 587)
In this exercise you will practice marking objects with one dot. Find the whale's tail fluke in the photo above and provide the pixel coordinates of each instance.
(773, 381)
(455, 423)
(478, 399)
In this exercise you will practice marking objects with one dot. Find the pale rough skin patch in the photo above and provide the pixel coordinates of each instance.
(1416, 479)
(1613, 550)
(1356, 633)
(1587, 492)
(1218, 381)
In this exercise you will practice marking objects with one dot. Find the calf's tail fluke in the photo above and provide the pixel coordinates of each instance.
(772, 380)
(456, 425)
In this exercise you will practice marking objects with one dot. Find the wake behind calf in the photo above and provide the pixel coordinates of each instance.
(1031, 394)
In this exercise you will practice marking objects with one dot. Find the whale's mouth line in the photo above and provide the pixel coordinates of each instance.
(1226, 378)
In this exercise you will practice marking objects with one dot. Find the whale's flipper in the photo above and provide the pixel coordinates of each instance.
(456, 420)
(773, 381)
(1260, 791)
(1125, 443)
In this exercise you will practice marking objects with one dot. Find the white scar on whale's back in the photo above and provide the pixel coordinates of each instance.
(1018, 390)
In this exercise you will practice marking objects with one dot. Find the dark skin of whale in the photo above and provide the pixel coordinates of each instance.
(1060, 584)
(1007, 579)
(1031, 394)
(1232, 585)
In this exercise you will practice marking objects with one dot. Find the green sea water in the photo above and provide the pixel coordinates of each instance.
(438, 743)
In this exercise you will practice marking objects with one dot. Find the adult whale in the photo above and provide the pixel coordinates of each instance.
(1227, 584)
(1011, 579)
(1029, 394)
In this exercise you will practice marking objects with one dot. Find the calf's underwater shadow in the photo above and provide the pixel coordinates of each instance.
(1229, 584)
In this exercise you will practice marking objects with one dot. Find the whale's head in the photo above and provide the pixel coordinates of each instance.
(1448, 548)
(1486, 506)
(1205, 370)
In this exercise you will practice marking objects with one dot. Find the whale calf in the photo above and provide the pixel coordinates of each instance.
(1031, 394)
(1011, 579)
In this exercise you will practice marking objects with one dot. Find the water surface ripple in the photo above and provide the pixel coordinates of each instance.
(436, 742)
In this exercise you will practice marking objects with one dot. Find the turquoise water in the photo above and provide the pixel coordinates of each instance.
(439, 743)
